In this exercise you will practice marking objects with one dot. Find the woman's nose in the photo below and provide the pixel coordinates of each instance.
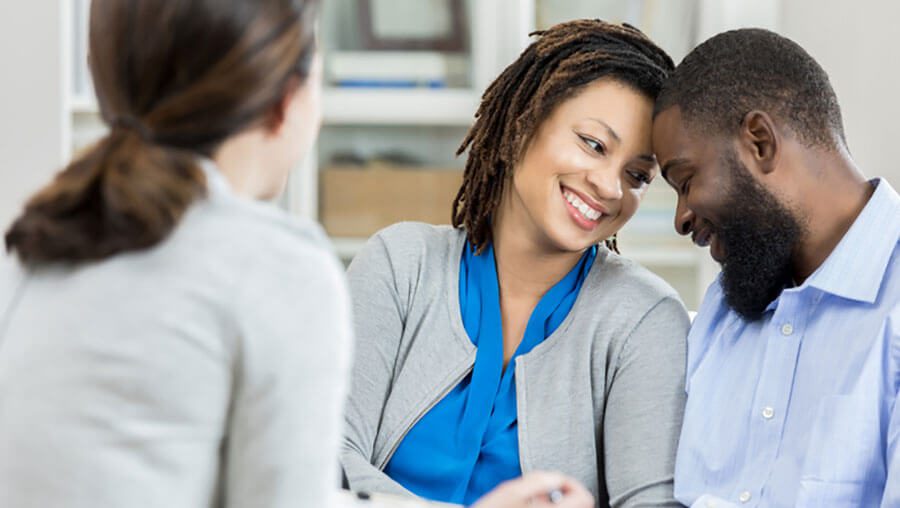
(606, 183)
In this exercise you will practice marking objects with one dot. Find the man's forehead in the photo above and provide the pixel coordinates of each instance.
(669, 123)
(670, 137)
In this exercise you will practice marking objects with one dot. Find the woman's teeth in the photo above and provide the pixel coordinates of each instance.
(588, 212)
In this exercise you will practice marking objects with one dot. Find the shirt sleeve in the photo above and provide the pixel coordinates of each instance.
(379, 314)
(290, 378)
(891, 495)
(645, 407)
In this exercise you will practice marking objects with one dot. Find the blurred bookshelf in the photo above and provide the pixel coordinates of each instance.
(403, 108)
(384, 106)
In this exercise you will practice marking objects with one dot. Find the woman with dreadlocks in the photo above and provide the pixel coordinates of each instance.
(519, 339)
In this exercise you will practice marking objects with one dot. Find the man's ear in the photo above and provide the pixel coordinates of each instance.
(760, 139)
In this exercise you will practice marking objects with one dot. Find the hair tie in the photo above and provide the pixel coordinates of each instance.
(131, 124)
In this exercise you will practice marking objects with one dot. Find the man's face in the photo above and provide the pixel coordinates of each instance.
(751, 234)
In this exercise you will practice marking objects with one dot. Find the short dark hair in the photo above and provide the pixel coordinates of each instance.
(556, 66)
(738, 71)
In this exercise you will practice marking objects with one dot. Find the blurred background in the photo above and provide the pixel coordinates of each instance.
(403, 79)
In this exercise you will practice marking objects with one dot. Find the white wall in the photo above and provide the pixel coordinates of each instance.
(717, 16)
(857, 44)
(34, 136)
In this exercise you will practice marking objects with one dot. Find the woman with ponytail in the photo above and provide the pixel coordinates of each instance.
(165, 339)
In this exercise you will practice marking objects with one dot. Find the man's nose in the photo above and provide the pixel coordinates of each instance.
(684, 218)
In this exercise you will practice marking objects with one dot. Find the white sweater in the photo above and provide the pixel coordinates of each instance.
(207, 371)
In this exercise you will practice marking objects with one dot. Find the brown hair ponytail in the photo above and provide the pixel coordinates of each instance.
(123, 194)
(173, 80)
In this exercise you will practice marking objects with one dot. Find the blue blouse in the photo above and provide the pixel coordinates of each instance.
(467, 443)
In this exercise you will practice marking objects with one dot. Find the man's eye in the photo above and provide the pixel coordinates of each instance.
(640, 176)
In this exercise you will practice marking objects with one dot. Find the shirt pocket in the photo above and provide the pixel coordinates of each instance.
(845, 446)
(822, 494)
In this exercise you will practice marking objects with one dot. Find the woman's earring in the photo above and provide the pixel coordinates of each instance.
(612, 244)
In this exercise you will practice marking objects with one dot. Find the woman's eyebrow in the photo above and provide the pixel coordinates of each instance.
(609, 130)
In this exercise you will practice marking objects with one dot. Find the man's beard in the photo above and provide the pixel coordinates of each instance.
(758, 235)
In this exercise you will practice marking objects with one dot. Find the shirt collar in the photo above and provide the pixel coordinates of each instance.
(855, 269)
(216, 184)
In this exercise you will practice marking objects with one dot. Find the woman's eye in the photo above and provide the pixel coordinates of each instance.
(685, 185)
(594, 145)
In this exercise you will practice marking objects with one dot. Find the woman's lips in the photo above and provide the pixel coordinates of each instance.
(585, 216)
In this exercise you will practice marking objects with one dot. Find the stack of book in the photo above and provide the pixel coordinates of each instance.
(396, 69)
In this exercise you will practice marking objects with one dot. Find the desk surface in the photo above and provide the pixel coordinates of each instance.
(346, 499)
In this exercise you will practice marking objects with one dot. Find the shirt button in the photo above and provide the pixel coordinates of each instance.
(768, 412)
(745, 496)
(787, 329)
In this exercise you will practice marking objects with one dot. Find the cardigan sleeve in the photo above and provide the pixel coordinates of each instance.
(379, 312)
(645, 407)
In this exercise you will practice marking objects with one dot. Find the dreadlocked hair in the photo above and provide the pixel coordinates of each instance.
(556, 66)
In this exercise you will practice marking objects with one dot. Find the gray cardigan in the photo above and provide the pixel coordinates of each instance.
(601, 399)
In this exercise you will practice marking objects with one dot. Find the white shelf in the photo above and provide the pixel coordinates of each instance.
(361, 106)
(83, 104)
(346, 248)
(401, 106)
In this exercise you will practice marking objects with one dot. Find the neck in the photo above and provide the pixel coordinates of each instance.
(527, 267)
(836, 196)
(242, 161)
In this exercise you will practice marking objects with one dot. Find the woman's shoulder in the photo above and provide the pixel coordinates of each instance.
(249, 233)
(418, 235)
(626, 284)
(407, 245)
(632, 305)
(11, 276)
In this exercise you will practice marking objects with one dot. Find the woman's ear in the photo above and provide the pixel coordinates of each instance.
(759, 137)
(278, 113)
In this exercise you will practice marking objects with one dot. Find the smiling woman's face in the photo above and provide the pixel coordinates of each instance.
(585, 170)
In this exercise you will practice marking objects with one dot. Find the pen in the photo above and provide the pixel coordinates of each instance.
(555, 496)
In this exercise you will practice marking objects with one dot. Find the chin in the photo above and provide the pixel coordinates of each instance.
(573, 242)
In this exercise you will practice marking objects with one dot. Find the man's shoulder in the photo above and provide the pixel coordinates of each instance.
(713, 313)
(710, 323)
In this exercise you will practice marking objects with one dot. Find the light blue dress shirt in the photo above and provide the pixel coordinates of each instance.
(800, 408)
